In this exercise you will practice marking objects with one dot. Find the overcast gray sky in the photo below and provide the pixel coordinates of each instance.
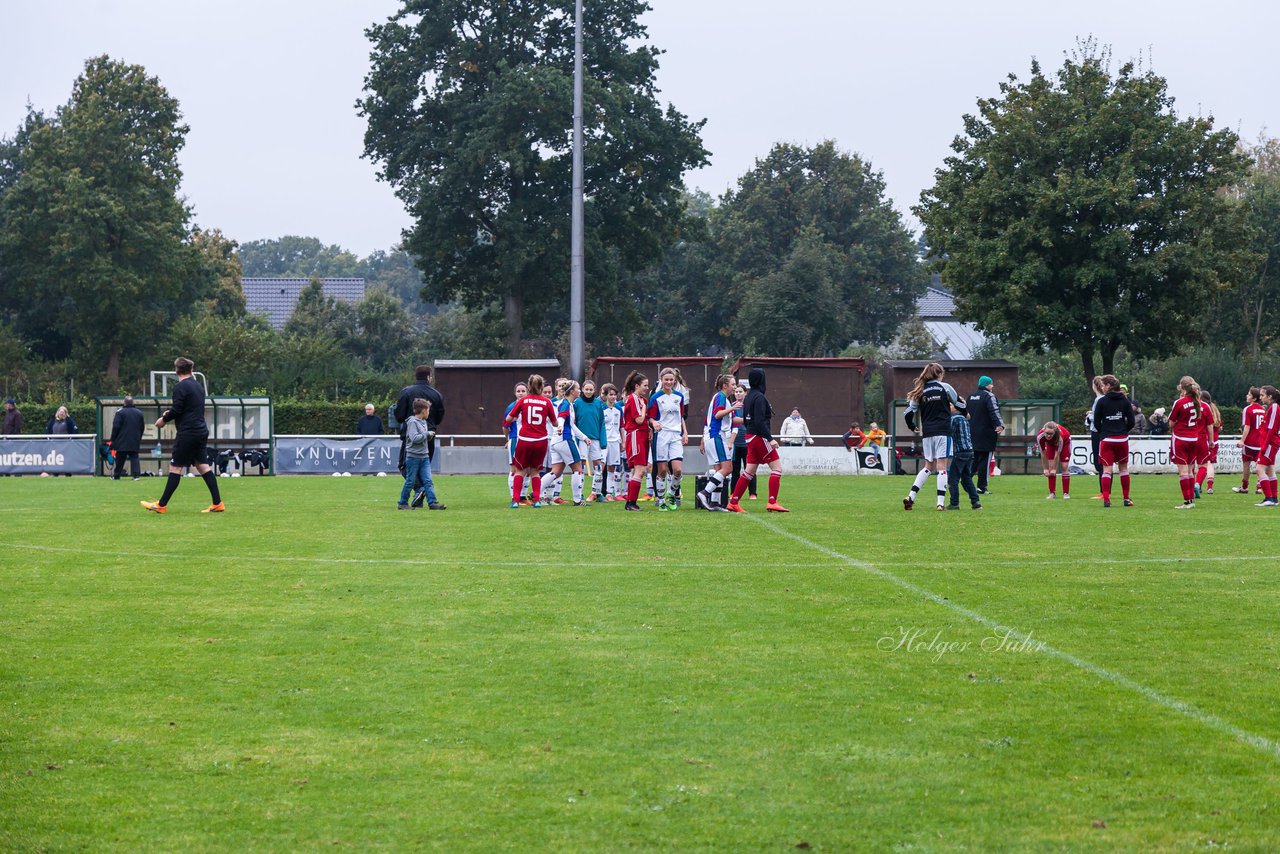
(269, 87)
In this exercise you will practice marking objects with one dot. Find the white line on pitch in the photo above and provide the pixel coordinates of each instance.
(1173, 704)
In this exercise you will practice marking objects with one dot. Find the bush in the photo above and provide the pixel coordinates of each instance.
(322, 417)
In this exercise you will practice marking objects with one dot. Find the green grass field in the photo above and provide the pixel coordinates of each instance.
(314, 669)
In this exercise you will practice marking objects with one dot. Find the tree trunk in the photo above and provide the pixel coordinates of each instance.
(1109, 356)
(113, 367)
(1086, 359)
(513, 310)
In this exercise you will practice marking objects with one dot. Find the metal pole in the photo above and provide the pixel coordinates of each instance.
(577, 300)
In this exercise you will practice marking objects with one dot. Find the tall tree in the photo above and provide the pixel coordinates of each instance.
(322, 317)
(1246, 314)
(295, 256)
(386, 332)
(219, 272)
(93, 233)
(1079, 212)
(799, 203)
(469, 107)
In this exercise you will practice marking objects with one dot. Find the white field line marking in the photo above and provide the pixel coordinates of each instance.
(268, 558)
(1038, 561)
(1172, 703)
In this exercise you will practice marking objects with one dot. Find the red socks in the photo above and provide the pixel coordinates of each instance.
(517, 487)
(1106, 487)
(775, 481)
(1124, 484)
(1066, 485)
(633, 490)
(1053, 483)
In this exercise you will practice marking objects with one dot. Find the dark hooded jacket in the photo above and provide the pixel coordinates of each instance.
(126, 429)
(757, 414)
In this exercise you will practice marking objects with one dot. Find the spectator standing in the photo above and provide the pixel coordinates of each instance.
(126, 438)
(369, 424)
(795, 431)
(12, 419)
(1139, 421)
(421, 388)
(61, 424)
(985, 424)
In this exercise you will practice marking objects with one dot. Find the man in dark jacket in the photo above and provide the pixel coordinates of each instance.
(369, 424)
(12, 418)
(757, 417)
(126, 438)
(985, 424)
(404, 408)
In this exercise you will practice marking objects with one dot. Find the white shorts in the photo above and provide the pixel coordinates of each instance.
(718, 449)
(669, 447)
(563, 451)
(936, 448)
(613, 454)
(589, 449)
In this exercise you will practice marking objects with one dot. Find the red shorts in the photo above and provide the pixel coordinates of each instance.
(1249, 454)
(529, 453)
(635, 445)
(1189, 452)
(1113, 451)
(759, 451)
(1063, 455)
(1267, 456)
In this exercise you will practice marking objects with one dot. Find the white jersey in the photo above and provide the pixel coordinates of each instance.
(667, 408)
(613, 424)
(723, 426)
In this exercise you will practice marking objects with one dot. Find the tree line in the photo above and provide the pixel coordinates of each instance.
(1078, 217)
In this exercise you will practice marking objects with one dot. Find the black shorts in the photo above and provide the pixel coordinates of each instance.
(190, 450)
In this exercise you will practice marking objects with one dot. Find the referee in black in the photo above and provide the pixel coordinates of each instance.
(187, 412)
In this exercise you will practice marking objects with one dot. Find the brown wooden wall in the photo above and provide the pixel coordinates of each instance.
(828, 392)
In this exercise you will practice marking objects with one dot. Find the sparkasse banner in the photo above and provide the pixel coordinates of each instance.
(1148, 455)
(54, 456)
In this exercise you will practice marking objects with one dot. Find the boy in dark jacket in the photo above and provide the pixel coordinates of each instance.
(961, 462)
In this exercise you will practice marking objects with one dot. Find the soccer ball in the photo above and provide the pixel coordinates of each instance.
(382, 474)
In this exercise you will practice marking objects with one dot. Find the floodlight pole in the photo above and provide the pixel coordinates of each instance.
(577, 299)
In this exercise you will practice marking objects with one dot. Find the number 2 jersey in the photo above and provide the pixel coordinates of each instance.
(1190, 418)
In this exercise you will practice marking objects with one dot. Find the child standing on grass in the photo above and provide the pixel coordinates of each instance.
(961, 462)
(1054, 441)
(417, 465)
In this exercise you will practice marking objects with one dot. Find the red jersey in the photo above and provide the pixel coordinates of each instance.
(635, 407)
(535, 415)
(1059, 440)
(1190, 418)
(1270, 428)
(1251, 422)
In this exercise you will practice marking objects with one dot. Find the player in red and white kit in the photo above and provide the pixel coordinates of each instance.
(1251, 437)
(537, 419)
(1212, 430)
(635, 434)
(1189, 418)
(1270, 441)
(1054, 441)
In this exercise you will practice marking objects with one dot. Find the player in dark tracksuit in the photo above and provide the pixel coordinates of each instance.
(757, 415)
(187, 414)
